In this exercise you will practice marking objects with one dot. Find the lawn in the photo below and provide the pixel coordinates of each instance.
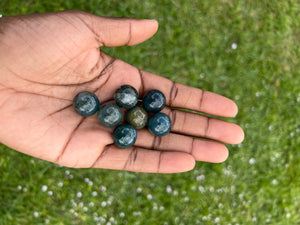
(246, 50)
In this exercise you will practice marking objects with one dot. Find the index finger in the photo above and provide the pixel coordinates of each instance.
(182, 96)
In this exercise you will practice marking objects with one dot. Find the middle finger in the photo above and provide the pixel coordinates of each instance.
(193, 124)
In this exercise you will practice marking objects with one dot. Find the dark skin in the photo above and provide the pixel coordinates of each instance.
(46, 59)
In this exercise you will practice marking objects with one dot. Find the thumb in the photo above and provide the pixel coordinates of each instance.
(112, 32)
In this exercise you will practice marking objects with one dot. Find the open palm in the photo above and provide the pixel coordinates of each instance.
(46, 59)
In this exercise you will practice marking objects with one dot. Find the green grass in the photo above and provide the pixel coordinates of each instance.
(260, 181)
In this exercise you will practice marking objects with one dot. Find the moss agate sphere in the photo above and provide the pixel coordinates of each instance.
(126, 96)
(124, 136)
(137, 117)
(159, 124)
(154, 101)
(110, 114)
(86, 103)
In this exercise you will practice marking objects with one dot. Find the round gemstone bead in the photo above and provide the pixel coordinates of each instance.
(126, 96)
(124, 136)
(86, 103)
(110, 114)
(137, 117)
(154, 101)
(159, 124)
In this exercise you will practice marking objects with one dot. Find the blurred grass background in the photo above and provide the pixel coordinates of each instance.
(246, 50)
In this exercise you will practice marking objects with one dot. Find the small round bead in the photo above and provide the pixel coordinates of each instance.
(137, 117)
(159, 124)
(86, 103)
(126, 96)
(110, 114)
(124, 136)
(154, 101)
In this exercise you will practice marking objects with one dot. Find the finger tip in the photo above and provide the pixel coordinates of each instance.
(182, 162)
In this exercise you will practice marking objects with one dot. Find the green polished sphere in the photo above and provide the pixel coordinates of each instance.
(86, 103)
(159, 124)
(137, 117)
(110, 114)
(154, 101)
(126, 96)
(124, 136)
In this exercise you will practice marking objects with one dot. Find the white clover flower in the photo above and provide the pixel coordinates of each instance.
(0, 15)
(60, 184)
(36, 214)
(202, 75)
(103, 204)
(186, 199)
(103, 188)
(102, 219)
(112, 219)
(200, 177)
(204, 218)
(169, 189)
(254, 219)
(79, 194)
(85, 209)
(67, 172)
(139, 190)
(251, 161)
(211, 189)
(217, 219)
(274, 182)
(220, 205)
(149, 196)
(201, 188)
(122, 214)
(94, 193)
(71, 176)
(137, 213)
(47, 221)
(19, 187)
(175, 193)
(154, 208)
(50, 193)
(288, 215)
(24, 189)
(90, 183)
(81, 204)
(161, 208)
(91, 204)
(257, 94)
(44, 188)
(86, 180)
(234, 46)
(75, 214)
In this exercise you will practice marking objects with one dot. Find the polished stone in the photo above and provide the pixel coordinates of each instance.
(159, 124)
(110, 114)
(126, 96)
(86, 103)
(154, 101)
(137, 117)
(124, 136)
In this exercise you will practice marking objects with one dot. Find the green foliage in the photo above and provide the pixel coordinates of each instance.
(246, 50)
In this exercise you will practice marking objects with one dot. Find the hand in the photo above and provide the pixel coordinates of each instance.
(46, 59)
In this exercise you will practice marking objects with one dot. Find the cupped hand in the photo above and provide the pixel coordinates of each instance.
(46, 59)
